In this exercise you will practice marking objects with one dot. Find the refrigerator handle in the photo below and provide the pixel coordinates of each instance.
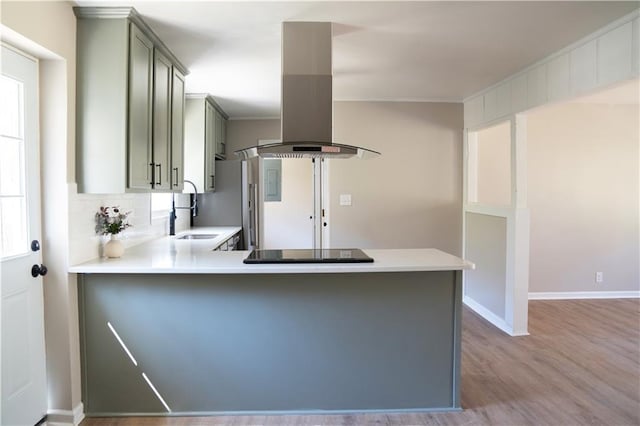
(250, 230)
(254, 222)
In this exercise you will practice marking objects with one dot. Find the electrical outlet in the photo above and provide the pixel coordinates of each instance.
(599, 277)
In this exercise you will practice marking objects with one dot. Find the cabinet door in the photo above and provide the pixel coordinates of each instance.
(162, 76)
(177, 131)
(224, 138)
(219, 139)
(209, 148)
(140, 106)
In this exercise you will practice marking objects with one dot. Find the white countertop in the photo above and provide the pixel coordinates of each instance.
(170, 255)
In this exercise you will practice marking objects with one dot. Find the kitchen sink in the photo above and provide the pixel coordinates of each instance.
(197, 237)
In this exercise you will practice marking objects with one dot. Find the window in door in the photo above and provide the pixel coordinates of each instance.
(13, 205)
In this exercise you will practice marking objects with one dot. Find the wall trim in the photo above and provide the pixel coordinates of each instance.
(488, 210)
(629, 17)
(78, 414)
(567, 295)
(427, 100)
(162, 416)
(66, 417)
(254, 118)
(490, 316)
(533, 87)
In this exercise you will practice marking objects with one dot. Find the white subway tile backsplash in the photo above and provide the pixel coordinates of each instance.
(85, 245)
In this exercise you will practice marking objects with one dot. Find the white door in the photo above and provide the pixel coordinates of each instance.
(300, 218)
(320, 206)
(289, 221)
(22, 368)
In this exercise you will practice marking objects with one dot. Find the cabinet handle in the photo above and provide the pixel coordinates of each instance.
(159, 166)
(213, 181)
(175, 169)
(152, 174)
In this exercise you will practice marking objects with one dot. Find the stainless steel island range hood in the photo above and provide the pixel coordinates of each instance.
(307, 101)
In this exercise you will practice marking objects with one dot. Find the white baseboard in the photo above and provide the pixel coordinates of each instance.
(562, 295)
(78, 414)
(66, 417)
(490, 316)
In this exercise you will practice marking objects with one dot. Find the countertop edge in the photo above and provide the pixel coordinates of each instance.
(170, 255)
(250, 270)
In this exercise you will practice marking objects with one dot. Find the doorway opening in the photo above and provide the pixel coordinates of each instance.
(295, 212)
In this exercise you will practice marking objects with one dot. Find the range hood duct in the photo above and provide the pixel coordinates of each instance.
(307, 101)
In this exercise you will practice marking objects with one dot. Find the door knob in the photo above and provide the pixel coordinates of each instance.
(38, 270)
(35, 245)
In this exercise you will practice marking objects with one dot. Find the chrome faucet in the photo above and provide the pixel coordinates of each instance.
(193, 208)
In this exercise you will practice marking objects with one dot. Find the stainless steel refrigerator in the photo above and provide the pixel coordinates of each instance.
(234, 202)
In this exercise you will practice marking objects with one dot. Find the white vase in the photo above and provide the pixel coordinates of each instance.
(113, 247)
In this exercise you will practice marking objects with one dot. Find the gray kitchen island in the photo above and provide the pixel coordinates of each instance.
(174, 328)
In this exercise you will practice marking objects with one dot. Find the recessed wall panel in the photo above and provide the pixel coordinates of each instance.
(486, 246)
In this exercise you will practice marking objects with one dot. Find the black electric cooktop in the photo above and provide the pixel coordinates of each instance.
(308, 256)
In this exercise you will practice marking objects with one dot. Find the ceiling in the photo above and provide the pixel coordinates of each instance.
(410, 51)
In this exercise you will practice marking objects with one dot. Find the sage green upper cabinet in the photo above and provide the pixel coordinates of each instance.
(177, 131)
(140, 98)
(210, 148)
(162, 78)
(199, 142)
(221, 136)
(204, 137)
(127, 121)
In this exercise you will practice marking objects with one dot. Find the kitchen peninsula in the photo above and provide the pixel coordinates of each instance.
(174, 327)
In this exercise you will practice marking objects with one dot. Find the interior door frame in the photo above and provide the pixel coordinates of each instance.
(321, 200)
(326, 203)
(318, 211)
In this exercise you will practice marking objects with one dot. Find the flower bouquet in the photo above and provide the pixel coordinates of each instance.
(112, 221)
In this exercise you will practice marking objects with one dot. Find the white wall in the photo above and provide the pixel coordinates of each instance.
(245, 133)
(584, 194)
(410, 196)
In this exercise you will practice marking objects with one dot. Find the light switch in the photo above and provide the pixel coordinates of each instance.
(345, 199)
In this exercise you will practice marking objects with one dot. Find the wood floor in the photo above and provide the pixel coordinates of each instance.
(580, 365)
